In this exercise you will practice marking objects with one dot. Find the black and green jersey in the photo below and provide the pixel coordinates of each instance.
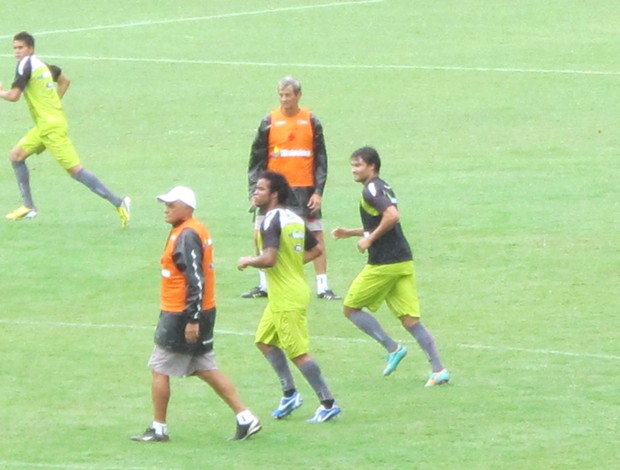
(392, 246)
(37, 81)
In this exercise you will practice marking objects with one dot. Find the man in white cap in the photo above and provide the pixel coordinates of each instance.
(184, 334)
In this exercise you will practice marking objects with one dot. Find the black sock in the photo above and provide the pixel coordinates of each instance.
(328, 403)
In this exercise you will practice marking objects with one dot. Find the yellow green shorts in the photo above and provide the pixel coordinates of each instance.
(392, 283)
(31, 142)
(56, 141)
(286, 330)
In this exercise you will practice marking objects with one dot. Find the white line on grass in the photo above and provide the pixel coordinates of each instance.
(546, 352)
(69, 466)
(540, 351)
(199, 18)
(440, 68)
(288, 65)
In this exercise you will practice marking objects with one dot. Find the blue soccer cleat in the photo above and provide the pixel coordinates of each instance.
(287, 405)
(323, 414)
(438, 378)
(393, 359)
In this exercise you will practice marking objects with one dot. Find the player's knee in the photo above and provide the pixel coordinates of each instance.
(262, 347)
(408, 321)
(74, 170)
(17, 154)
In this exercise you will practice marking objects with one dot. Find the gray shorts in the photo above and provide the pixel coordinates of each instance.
(313, 224)
(176, 364)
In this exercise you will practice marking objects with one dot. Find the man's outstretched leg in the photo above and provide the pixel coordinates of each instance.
(90, 180)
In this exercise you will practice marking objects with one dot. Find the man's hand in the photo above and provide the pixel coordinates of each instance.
(315, 202)
(192, 332)
(10, 95)
(244, 262)
(339, 233)
(363, 244)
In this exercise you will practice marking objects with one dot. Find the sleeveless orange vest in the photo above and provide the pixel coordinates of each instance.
(291, 147)
(173, 283)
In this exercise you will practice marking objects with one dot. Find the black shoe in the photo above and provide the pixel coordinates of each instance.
(255, 293)
(329, 295)
(244, 431)
(151, 436)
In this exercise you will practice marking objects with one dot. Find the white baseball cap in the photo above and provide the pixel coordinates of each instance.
(179, 193)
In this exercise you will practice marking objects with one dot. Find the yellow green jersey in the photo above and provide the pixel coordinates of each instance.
(285, 231)
(37, 81)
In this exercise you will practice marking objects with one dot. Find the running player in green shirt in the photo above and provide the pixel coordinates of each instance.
(43, 86)
(286, 245)
(389, 274)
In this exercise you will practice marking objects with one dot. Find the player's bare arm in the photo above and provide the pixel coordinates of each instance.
(63, 83)
(339, 232)
(266, 259)
(313, 253)
(389, 218)
(14, 94)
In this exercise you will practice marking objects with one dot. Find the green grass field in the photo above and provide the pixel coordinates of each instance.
(498, 127)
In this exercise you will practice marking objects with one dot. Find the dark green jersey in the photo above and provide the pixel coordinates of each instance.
(392, 246)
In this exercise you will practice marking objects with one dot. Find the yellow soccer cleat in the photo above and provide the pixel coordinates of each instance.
(21, 213)
(124, 211)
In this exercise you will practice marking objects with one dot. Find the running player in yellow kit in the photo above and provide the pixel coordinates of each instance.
(43, 86)
(282, 333)
(389, 274)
